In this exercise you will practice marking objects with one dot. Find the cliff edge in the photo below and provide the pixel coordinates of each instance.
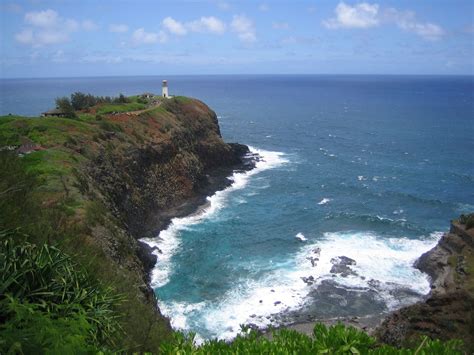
(105, 177)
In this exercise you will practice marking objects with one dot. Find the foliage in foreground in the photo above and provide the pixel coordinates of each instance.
(336, 339)
(47, 302)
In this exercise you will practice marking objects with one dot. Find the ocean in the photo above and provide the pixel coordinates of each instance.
(371, 168)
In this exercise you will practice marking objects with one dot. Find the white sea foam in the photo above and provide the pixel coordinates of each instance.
(389, 261)
(324, 201)
(168, 241)
(301, 237)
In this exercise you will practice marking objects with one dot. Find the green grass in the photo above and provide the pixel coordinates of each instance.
(110, 108)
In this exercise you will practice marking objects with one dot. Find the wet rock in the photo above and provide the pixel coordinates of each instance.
(341, 266)
(308, 280)
(313, 260)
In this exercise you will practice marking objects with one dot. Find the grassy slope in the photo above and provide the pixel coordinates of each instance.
(55, 208)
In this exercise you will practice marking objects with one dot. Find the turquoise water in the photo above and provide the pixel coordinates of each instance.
(368, 167)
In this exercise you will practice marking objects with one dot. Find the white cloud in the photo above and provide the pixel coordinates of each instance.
(174, 27)
(244, 28)
(118, 28)
(89, 25)
(25, 36)
(207, 24)
(363, 15)
(280, 25)
(406, 20)
(46, 18)
(264, 7)
(48, 28)
(140, 36)
(50, 37)
(41, 38)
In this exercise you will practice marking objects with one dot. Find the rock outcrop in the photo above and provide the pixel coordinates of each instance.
(448, 311)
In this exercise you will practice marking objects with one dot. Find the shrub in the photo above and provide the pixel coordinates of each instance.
(336, 339)
(467, 220)
(47, 301)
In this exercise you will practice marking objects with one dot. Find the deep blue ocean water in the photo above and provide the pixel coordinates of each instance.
(368, 167)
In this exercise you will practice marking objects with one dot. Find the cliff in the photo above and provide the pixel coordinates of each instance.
(448, 311)
(103, 180)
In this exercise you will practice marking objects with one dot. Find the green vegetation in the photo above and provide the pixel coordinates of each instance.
(118, 108)
(48, 302)
(467, 220)
(336, 339)
(63, 104)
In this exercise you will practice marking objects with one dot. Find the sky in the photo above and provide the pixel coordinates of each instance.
(62, 38)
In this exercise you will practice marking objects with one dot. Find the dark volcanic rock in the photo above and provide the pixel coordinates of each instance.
(341, 266)
(448, 312)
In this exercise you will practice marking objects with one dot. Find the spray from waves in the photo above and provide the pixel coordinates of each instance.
(168, 241)
(301, 237)
(386, 263)
(324, 201)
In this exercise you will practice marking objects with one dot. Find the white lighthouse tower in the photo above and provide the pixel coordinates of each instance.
(164, 90)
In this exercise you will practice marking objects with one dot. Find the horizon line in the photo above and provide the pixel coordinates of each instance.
(241, 74)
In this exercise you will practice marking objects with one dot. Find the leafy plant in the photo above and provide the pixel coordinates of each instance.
(43, 292)
(337, 339)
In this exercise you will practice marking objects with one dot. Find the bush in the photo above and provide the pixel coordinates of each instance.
(47, 302)
(65, 105)
(467, 220)
(336, 339)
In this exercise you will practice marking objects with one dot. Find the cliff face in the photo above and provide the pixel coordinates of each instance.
(448, 312)
(119, 177)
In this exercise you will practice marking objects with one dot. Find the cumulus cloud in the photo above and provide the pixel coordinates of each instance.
(366, 15)
(174, 27)
(363, 15)
(140, 36)
(118, 28)
(207, 24)
(46, 18)
(244, 27)
(47, 28)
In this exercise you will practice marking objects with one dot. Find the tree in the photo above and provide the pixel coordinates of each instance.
(64, 104)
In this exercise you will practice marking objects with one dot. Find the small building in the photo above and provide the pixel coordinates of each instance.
(54, 113)
(147, 95)
(164, 89)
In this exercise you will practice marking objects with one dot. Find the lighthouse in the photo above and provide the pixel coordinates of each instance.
(164, 90)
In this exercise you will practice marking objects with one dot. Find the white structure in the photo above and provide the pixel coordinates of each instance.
(164, 90)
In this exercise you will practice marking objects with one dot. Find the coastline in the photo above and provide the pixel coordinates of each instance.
(218, 179)
(440, 314)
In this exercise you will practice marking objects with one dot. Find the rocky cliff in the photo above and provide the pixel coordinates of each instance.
(112, 178)
(448, 311)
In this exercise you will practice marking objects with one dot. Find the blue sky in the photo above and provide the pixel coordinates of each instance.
(61, 38)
